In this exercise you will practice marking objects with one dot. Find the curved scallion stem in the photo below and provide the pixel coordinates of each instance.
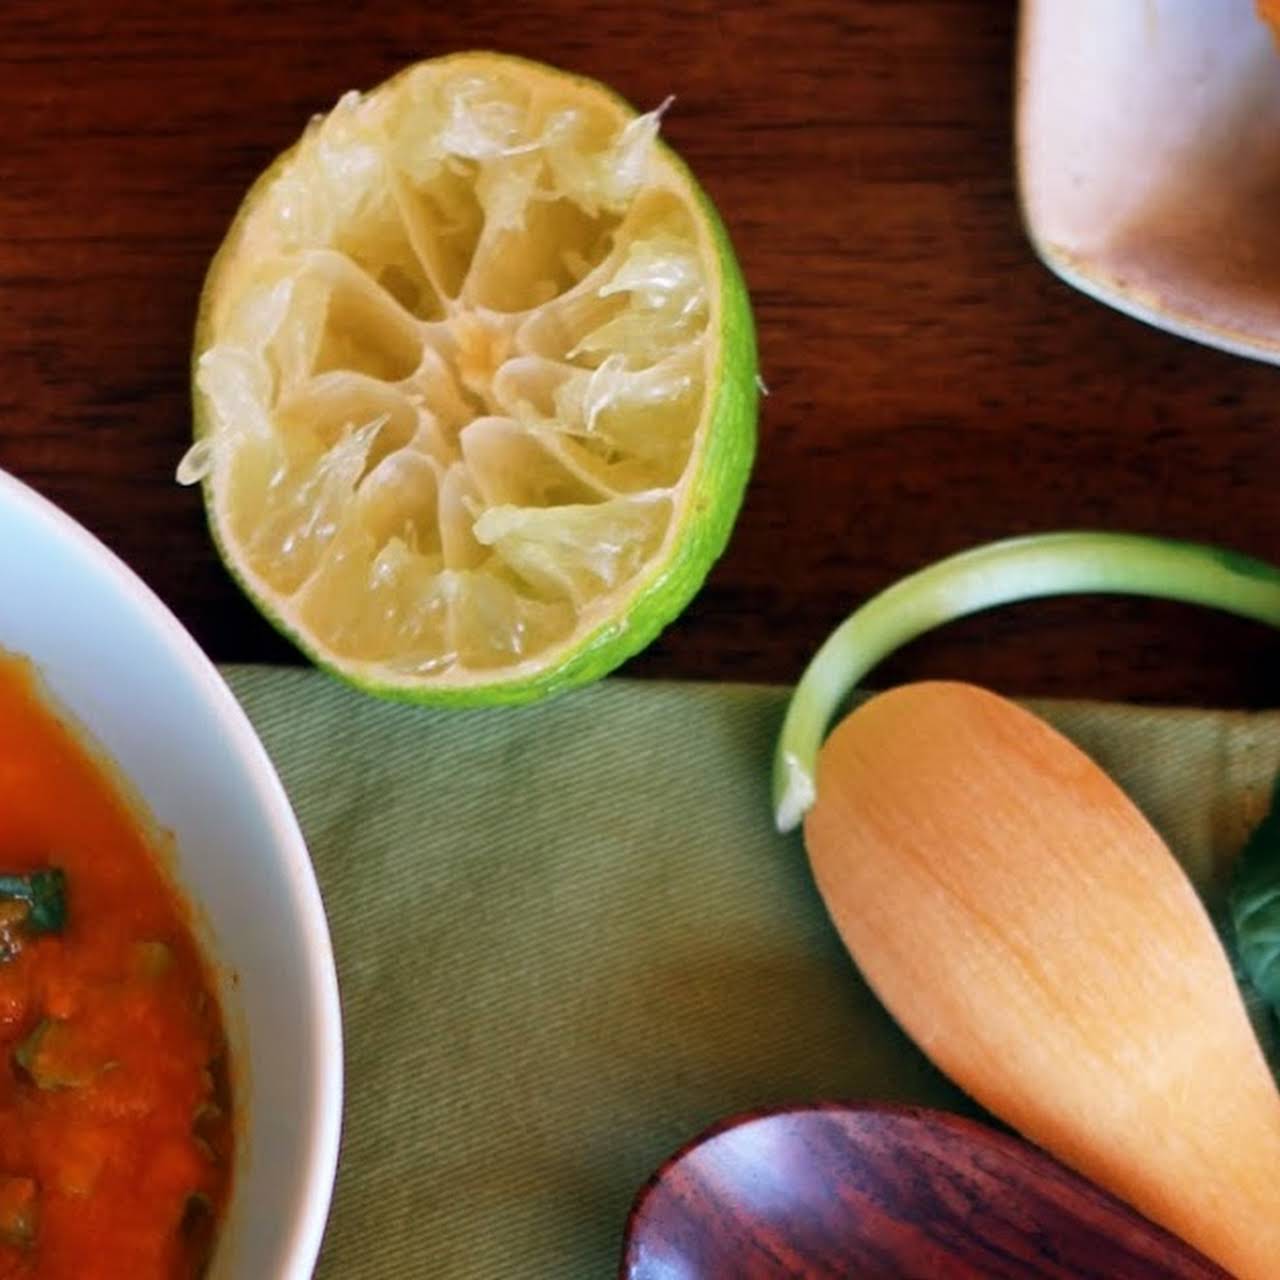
(1027, 568)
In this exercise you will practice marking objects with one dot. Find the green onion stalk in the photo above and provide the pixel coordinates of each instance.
(999, 573)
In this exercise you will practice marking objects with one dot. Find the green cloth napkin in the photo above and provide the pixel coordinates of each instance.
(568, 938)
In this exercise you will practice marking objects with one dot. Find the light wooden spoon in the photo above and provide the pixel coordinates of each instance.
(1032, 933)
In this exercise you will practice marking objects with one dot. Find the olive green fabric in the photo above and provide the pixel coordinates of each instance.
(568, 938)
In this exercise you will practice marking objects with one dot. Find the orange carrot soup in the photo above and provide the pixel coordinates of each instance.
(115, 1116)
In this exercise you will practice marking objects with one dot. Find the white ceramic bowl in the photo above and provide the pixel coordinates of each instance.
(119, 662)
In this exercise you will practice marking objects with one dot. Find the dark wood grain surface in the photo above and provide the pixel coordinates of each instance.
(885, 1193)
(931, 385)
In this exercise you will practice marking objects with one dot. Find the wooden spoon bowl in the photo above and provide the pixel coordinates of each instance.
(881, 1192)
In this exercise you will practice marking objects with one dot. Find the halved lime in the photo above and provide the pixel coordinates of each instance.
(475, 384)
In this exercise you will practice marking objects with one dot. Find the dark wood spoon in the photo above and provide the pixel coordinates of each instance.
(855, 1192)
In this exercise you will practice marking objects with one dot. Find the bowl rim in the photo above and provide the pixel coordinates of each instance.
(303, 1236)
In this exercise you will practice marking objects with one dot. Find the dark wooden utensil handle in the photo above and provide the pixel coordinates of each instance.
(885, 1193)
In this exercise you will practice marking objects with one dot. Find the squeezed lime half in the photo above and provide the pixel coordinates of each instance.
(475, 385)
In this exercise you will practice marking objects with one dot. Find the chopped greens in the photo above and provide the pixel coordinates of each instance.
(43, 893)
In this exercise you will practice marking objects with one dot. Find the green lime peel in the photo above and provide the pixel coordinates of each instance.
(1049, 564)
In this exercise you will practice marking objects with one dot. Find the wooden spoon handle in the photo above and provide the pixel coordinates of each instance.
(886, 1193)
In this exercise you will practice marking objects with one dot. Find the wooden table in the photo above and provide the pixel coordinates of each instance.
(931, 385)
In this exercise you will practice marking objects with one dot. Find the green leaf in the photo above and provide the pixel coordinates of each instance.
(1265, 1022)
(1254, 902)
